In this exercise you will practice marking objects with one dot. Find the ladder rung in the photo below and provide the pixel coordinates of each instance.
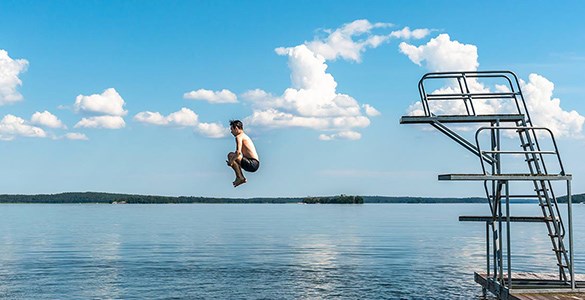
(541, 190)
(544, 204)
(531, 159)
(563, 266)
(527, 144)
(553, 235)
(559, 250)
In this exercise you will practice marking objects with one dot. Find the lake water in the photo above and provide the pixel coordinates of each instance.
(258, 251)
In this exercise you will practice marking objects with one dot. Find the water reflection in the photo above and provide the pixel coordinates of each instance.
(257, 251)
(104, 267)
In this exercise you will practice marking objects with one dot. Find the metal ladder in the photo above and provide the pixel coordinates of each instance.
(545, 195)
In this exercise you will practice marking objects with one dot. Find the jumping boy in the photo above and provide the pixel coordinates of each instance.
(245, 156)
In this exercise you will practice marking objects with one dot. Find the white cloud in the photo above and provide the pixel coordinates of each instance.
(212, 130)
(313, 90)
(352, 39)
(312, 101)
(108, 122)
(184, 117)
(12, 126)
(9, 80)
(47, 119)
(273, 118)
(370, 110)
(107, 103)
(340, 42)
(223, 96)
(346, 135)
(261, 99)
(406, 33)
(546, 111)
(76, 136)
(442, 54)
(149, 117)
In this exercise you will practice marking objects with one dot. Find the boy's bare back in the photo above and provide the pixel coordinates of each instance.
(248, 148)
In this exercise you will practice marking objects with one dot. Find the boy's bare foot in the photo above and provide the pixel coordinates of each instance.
(239, 181)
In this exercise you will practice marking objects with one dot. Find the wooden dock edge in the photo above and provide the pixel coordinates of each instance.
(533, 287)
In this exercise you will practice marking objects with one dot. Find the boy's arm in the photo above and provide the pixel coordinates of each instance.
(238, 149)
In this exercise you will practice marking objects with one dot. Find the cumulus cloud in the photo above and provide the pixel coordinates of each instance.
(10, 69)
(107, 103)
(311, 102)
(212, 130)
(312, 95)
(76, 136)
(341, 43)
(346, 135)
(223, 96)
(183, 118)
(47, 119)
(546, 111)
(352, 39)
(442, 54)
(108, 122)
(149, 117)
(371, 111)
(406, 33)
(12, 126)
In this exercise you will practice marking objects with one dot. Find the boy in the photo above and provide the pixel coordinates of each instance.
(245, 156)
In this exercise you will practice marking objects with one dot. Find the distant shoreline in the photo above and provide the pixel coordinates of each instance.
(111, 198)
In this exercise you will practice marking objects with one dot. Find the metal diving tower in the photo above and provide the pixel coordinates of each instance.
(515, 157)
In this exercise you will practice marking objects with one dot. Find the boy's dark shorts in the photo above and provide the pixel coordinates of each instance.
(250, 164)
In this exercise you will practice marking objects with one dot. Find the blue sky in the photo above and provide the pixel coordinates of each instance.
(135, 96)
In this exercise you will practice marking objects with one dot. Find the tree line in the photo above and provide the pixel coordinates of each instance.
(107, 198)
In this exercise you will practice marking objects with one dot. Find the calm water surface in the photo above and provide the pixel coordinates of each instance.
(285, 251)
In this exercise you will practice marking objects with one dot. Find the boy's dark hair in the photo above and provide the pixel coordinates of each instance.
(236, 124)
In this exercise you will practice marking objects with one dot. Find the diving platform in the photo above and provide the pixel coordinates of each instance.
(490, 219)
(518, 160)
(460, 119)
(503, 177)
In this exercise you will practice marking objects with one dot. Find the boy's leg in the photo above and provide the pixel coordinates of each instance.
(237, 168)
(229, 158)
(239, 174)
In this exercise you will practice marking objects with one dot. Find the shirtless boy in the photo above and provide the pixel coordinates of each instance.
(245, 156)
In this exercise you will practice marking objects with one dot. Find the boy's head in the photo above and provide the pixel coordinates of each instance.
(236, 126)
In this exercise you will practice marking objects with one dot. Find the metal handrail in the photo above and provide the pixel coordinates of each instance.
(466, 95)
(531, 128)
